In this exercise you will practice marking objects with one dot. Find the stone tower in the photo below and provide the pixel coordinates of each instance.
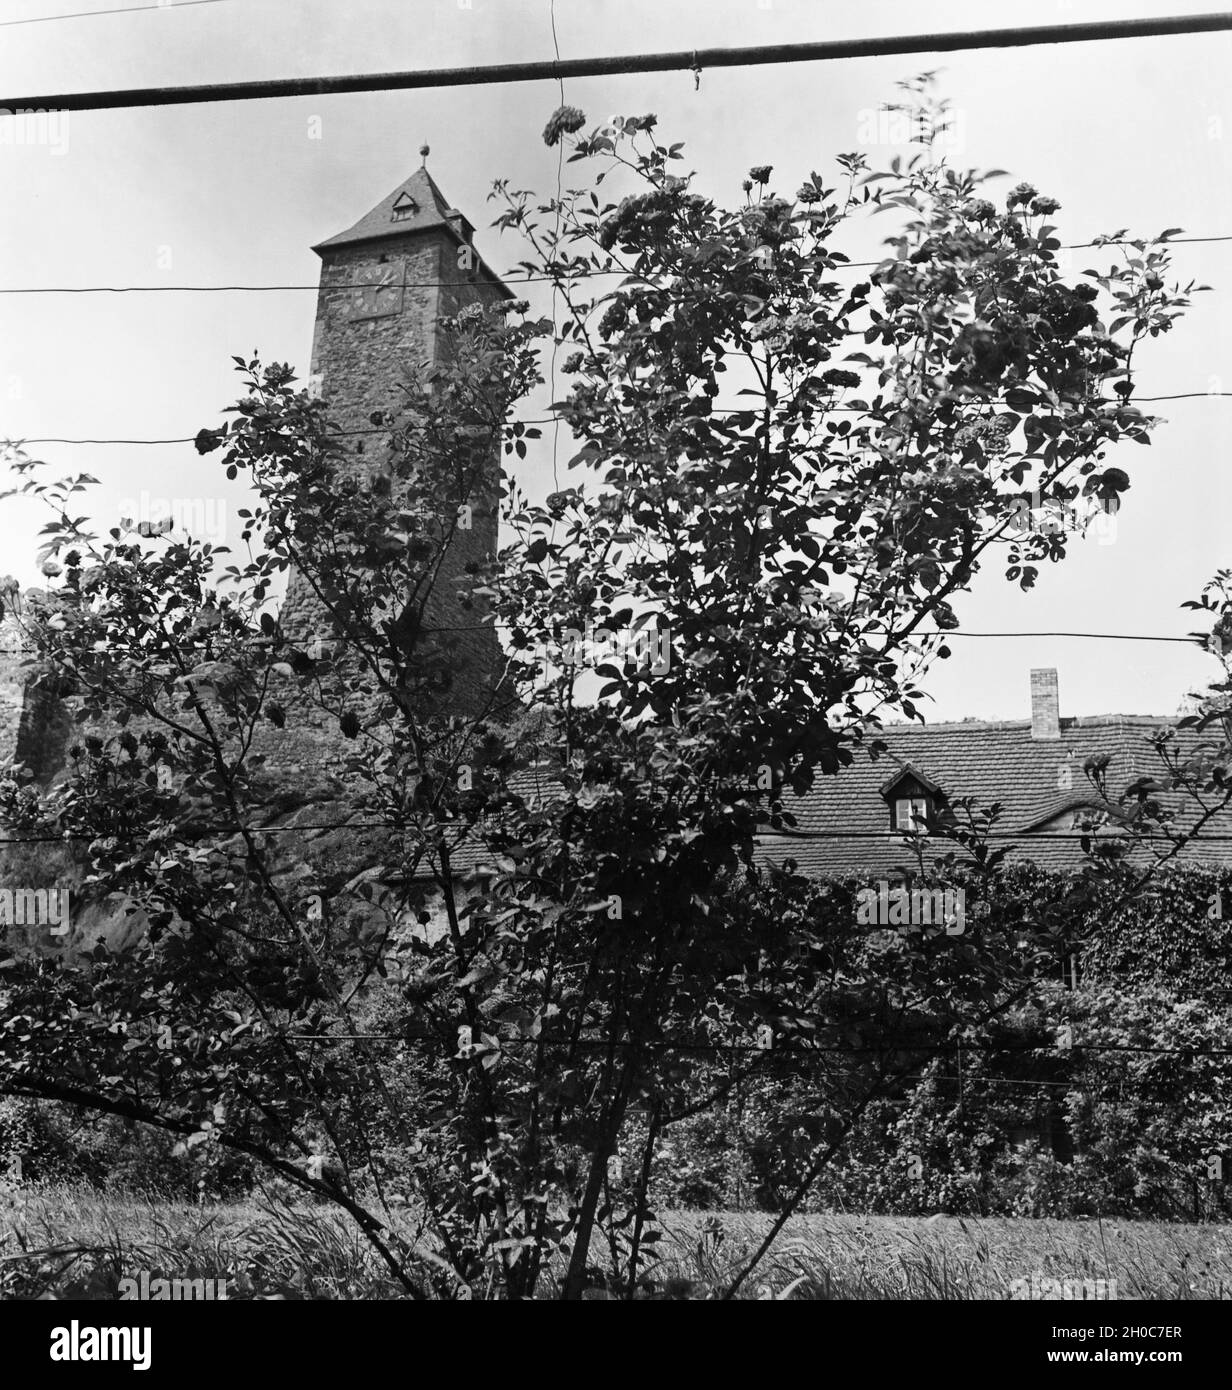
(386, 283)
(34, 722)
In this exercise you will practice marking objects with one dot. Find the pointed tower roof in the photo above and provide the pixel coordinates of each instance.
(416, 205)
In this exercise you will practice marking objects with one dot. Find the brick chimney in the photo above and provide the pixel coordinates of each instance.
(1045, 704)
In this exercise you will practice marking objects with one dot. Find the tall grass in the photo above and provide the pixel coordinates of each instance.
(66, 1242)
(947, 1258)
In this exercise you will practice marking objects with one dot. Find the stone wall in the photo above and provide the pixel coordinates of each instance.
(360, 362)
(12, 687)
(366, 345)
(34, 722)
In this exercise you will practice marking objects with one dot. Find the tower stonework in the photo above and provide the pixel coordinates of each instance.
(386, 284)
(35, 723)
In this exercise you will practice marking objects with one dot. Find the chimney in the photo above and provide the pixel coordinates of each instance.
(1045, 704)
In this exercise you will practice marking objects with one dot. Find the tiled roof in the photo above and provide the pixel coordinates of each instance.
(432, 212)
(842, 822)
(468, 850)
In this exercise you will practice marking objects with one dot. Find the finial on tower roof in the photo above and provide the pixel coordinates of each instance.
(425, 151)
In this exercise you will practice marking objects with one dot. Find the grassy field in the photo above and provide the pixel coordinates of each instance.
(941, 1257)
(73, 1243)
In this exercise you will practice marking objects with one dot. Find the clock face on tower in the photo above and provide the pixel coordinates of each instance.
(376, 293)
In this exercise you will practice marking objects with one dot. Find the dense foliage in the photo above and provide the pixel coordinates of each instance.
(786, 470)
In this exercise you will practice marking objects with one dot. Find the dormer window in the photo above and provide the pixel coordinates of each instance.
(461, 225)
(405, 207)
(911, 798)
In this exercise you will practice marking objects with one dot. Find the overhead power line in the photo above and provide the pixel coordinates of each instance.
(552, 419)
(685, 60)
(1023, 839)
(944, 636)
(96, 14)
(512, 281)
(957, 632)
(805, 1048)
(797, 1048)
(1099, 636)
(782, 838)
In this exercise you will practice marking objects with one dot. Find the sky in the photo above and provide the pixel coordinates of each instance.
(1129, 134)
